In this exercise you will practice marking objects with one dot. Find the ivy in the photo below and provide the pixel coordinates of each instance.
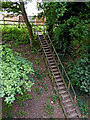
(15, 74)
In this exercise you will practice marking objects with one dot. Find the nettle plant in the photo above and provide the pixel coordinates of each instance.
(15, 75)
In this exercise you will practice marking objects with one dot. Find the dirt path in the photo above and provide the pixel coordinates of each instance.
(43, 102)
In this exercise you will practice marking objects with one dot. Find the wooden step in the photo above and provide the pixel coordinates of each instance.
(65, 95)
(55, 73)
(62, 87)
(57, 76)
(68, 105)
(44, 41)
(60, 83)
(63, 92)
(73, 115)
(52, 63)
(50, 58)
(53, 66)
(49, 55)
(68, 100)
(46, 50)
(58, 79)
(46, 47)
(71, 110)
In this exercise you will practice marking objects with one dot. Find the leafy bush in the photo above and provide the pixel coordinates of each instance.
(15, 74)
(79, 74)
(19, 35)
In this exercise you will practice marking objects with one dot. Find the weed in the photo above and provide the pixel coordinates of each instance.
(51, 118)
(38, 75)
(7, 108)
(10, 116)
(30, 58)
(60, 107)
(21, 112)
(54, 97)
(49, 109)
(44, 74)
(40, 90)
(21, 99)
(40, 84)
(47, 101)
(45, 87)
(35, 89)
(37, 61)
(36, 98)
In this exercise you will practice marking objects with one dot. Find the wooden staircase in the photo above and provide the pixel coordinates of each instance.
(68, 104)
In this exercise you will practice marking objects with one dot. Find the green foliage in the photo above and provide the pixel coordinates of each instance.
(36, 98)
(66, 23)
(15, 34)
(11, 7)
(6, 108)
(15, 74)
(79, 74)
(49, 109)
(38, 75)
(20, 99)
(21, 112)
(40, 90)
(45, 87)
(82, 103)
(54, 97)
(37, 61)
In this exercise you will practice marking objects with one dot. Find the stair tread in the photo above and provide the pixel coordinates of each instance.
(68, 100)
(62, 87)
(63, 91)
(73, 115)
(57, 75)
(60, 83)
(71, 110)
(58, 79)
(45, 47)
(53, 66)
(52, 63)
(67, 95)
(49, 55)
(48, 52)
(68, 105)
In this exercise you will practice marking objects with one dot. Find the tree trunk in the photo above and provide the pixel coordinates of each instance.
(29, 27)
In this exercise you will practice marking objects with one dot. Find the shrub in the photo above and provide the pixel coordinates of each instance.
(79, 74)
(15, 74)
(19, 35)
